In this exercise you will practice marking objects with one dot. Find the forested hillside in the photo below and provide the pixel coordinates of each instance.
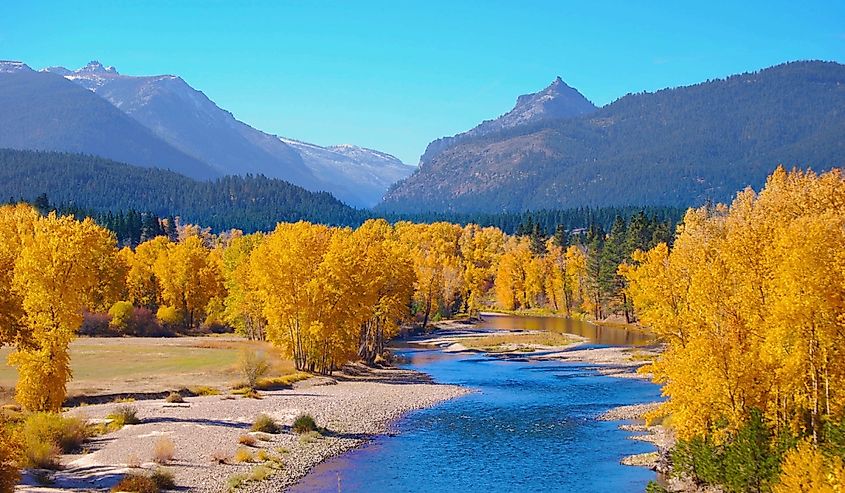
(117, 195)
(94, 184)
(679, 147)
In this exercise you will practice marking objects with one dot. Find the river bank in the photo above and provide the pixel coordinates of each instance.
(353, 407)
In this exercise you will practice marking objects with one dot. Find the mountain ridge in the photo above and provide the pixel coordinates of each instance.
(676, 147)
(558, 100)
(187, 119)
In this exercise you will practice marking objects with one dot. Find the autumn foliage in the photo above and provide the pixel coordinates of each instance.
(751, 301)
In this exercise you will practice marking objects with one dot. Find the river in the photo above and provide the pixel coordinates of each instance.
(530, 426)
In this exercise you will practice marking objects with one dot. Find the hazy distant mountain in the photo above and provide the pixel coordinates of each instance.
(556, 101)
(361, 175)
(673, 147)
(190, 121)
(45, 111)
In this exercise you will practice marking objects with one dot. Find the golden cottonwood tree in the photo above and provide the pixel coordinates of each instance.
(284, 265)
(437, 263)
(55, 276)
(142, 285)
(480, 249)
(386, 286)
(244, 309)
(750, 300)
(189, 276)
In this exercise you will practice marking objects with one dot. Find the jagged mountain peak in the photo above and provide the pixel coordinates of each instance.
(95, 67)
(12, 66)
(558, 100)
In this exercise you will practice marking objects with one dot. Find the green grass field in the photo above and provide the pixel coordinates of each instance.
(124, 365)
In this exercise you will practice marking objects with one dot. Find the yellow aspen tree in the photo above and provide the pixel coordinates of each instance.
(480, 249)
(189, 277)
(142, 285)
(17, 222)
(55, 277)
(243, 308)
(284, 265)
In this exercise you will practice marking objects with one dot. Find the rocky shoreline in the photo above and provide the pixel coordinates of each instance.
(353, 408)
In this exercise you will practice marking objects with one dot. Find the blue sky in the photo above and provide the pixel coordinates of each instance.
(394, 75)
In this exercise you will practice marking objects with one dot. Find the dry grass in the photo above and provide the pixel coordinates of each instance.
(518, 341)
(247, 440)
(163, 450)
(244, 455)
(139, 365)
(265, 424)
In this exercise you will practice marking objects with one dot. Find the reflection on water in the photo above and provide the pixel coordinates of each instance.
(602, 335)
(530, 426)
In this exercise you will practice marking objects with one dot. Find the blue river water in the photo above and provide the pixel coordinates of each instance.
(528, 426)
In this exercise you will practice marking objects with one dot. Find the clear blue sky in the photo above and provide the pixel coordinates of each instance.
(394, 75)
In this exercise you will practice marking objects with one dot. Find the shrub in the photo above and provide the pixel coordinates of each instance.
(309, 437)
(40, 454)
(262, 455)
(9, 451)
(121, 316)
(204, 390)
(163, 479)
(247, 440)
(174, 398)
(304, 423)
(169, 316)
(45, 436)
(265, 424)
(123, 415)
(243, 455)
(137, 483)
(260, 473)
(253, 366)
(144, 324)
(163, 450)
(236, 481)
(95, 324)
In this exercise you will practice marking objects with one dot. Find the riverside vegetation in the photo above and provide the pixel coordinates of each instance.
(753, 332)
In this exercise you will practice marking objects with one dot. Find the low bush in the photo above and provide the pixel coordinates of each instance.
(283, 382)
(247, 440)
(175, 398)
(304, 423)
(163, 479)
(122, 416)
(253, 366)
(137, 483)
(265, 424)
(309, 437)
(236, 481)
(163, 450)
(204, 390)
(9, 452)
(45, 436)
(243, 455)
(262, 455)
(260, 473)
(95, 324)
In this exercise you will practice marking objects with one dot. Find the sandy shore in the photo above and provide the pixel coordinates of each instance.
(352, 408)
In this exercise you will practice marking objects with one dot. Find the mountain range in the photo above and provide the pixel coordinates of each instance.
(190, 134)
(675, 147)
